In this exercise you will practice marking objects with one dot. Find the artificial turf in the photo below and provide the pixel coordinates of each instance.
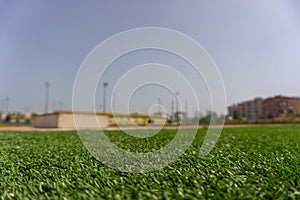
(246, 163)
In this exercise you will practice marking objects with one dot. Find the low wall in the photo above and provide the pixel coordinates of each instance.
(67, 120)
(46, 121)
(135, 120)
(90, 120)
(83, 121)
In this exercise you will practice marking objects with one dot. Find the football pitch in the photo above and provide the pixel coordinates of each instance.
(246, 163)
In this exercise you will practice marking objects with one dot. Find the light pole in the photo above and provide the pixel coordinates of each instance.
(159, 111)
(114, 102)
(47, 85)
(7, 104)
(186, 107)
(105, 84)
(172, 108)
(177, 111)
(2, 105)
(177, 94)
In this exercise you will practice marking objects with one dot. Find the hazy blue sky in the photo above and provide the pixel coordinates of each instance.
(255, 44)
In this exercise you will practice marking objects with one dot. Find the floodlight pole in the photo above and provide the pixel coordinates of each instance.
(177, 111)
(7, 104)
(105, 84)
(47, 85)
(177, 94)
(172, 107)
(2, 105)
(159, 111)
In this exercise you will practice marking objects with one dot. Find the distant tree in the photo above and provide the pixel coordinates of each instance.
(169, 121)
(240, 118)
(33, 116)
(203, 120)
(8, 117)
(211, 118)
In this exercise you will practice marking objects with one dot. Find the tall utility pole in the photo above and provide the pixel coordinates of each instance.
(177, 101)
(177, 111)
(105, 84)
(172, 107)
(159, 110)
(7, 104)
(114, 103)
(2, 105)
(186, 107)
(47, 85)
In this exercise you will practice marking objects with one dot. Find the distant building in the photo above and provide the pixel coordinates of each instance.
(233, 111)
(252, 109)
(273, 107)
(280, 106)
(89, 120)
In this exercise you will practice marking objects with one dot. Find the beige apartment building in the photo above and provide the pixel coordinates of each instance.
(272, 107)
